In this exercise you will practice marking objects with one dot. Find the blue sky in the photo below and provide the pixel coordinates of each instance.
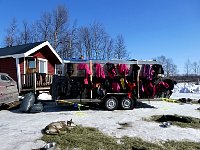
(150, 28)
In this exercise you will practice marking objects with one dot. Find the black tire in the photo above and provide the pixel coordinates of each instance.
(111, 103)
(36, 108)
(27, 102)
(127, 103)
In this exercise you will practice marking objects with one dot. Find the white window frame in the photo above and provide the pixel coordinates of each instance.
(45, 67)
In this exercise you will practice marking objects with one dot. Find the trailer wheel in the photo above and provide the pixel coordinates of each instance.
(128, 103)
(111, 103)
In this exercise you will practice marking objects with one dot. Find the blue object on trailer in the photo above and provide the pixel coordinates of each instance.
(75, 105)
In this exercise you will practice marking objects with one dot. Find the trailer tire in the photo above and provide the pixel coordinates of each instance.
(111, 103)
(127, 103)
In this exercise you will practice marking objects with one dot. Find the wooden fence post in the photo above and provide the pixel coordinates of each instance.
(34, 82)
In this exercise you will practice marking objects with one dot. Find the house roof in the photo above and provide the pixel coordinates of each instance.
(18, 49)
(25, 50)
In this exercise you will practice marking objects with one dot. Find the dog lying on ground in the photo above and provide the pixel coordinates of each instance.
(58, 127)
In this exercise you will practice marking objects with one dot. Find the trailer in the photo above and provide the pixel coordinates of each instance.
(115, 84)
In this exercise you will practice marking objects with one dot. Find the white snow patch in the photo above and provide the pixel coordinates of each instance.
(44, 96)
(186, 90)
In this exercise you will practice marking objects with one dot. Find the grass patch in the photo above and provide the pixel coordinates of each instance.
(137, 143)
(181, 121)
(87, 138)
(140, 144)
(182, 145)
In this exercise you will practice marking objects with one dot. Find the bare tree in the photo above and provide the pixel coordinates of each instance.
(98, 41)
(168, 65)
(60, 18)
(187, 67)
(35, 32)
(94, 42)
(162, 60)
(11, 33)
(79, 48)
(120, 48)
(108, 49)
(25, 35)
(91, 41)
(171, 68)
(66, 46)
(198, 68)
(70, 42)
(45, 26)
(85, 44)
(174, 70)
(195, 68)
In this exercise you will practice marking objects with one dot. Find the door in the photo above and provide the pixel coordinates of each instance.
(8, 89)
(31, 65)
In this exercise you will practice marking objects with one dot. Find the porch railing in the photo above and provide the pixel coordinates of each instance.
(35, 80)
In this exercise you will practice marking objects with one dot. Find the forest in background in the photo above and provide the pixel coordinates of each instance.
(71, 40)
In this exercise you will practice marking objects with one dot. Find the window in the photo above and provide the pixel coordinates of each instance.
(4, 78)
(58, 69)
(42, 65)
(9, 78)
(32, 64)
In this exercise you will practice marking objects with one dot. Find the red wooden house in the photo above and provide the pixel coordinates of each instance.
(30, 65)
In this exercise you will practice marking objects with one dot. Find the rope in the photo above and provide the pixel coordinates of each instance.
(78, 105)
(169, 100)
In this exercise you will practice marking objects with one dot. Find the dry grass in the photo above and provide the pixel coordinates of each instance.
(87, 138)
